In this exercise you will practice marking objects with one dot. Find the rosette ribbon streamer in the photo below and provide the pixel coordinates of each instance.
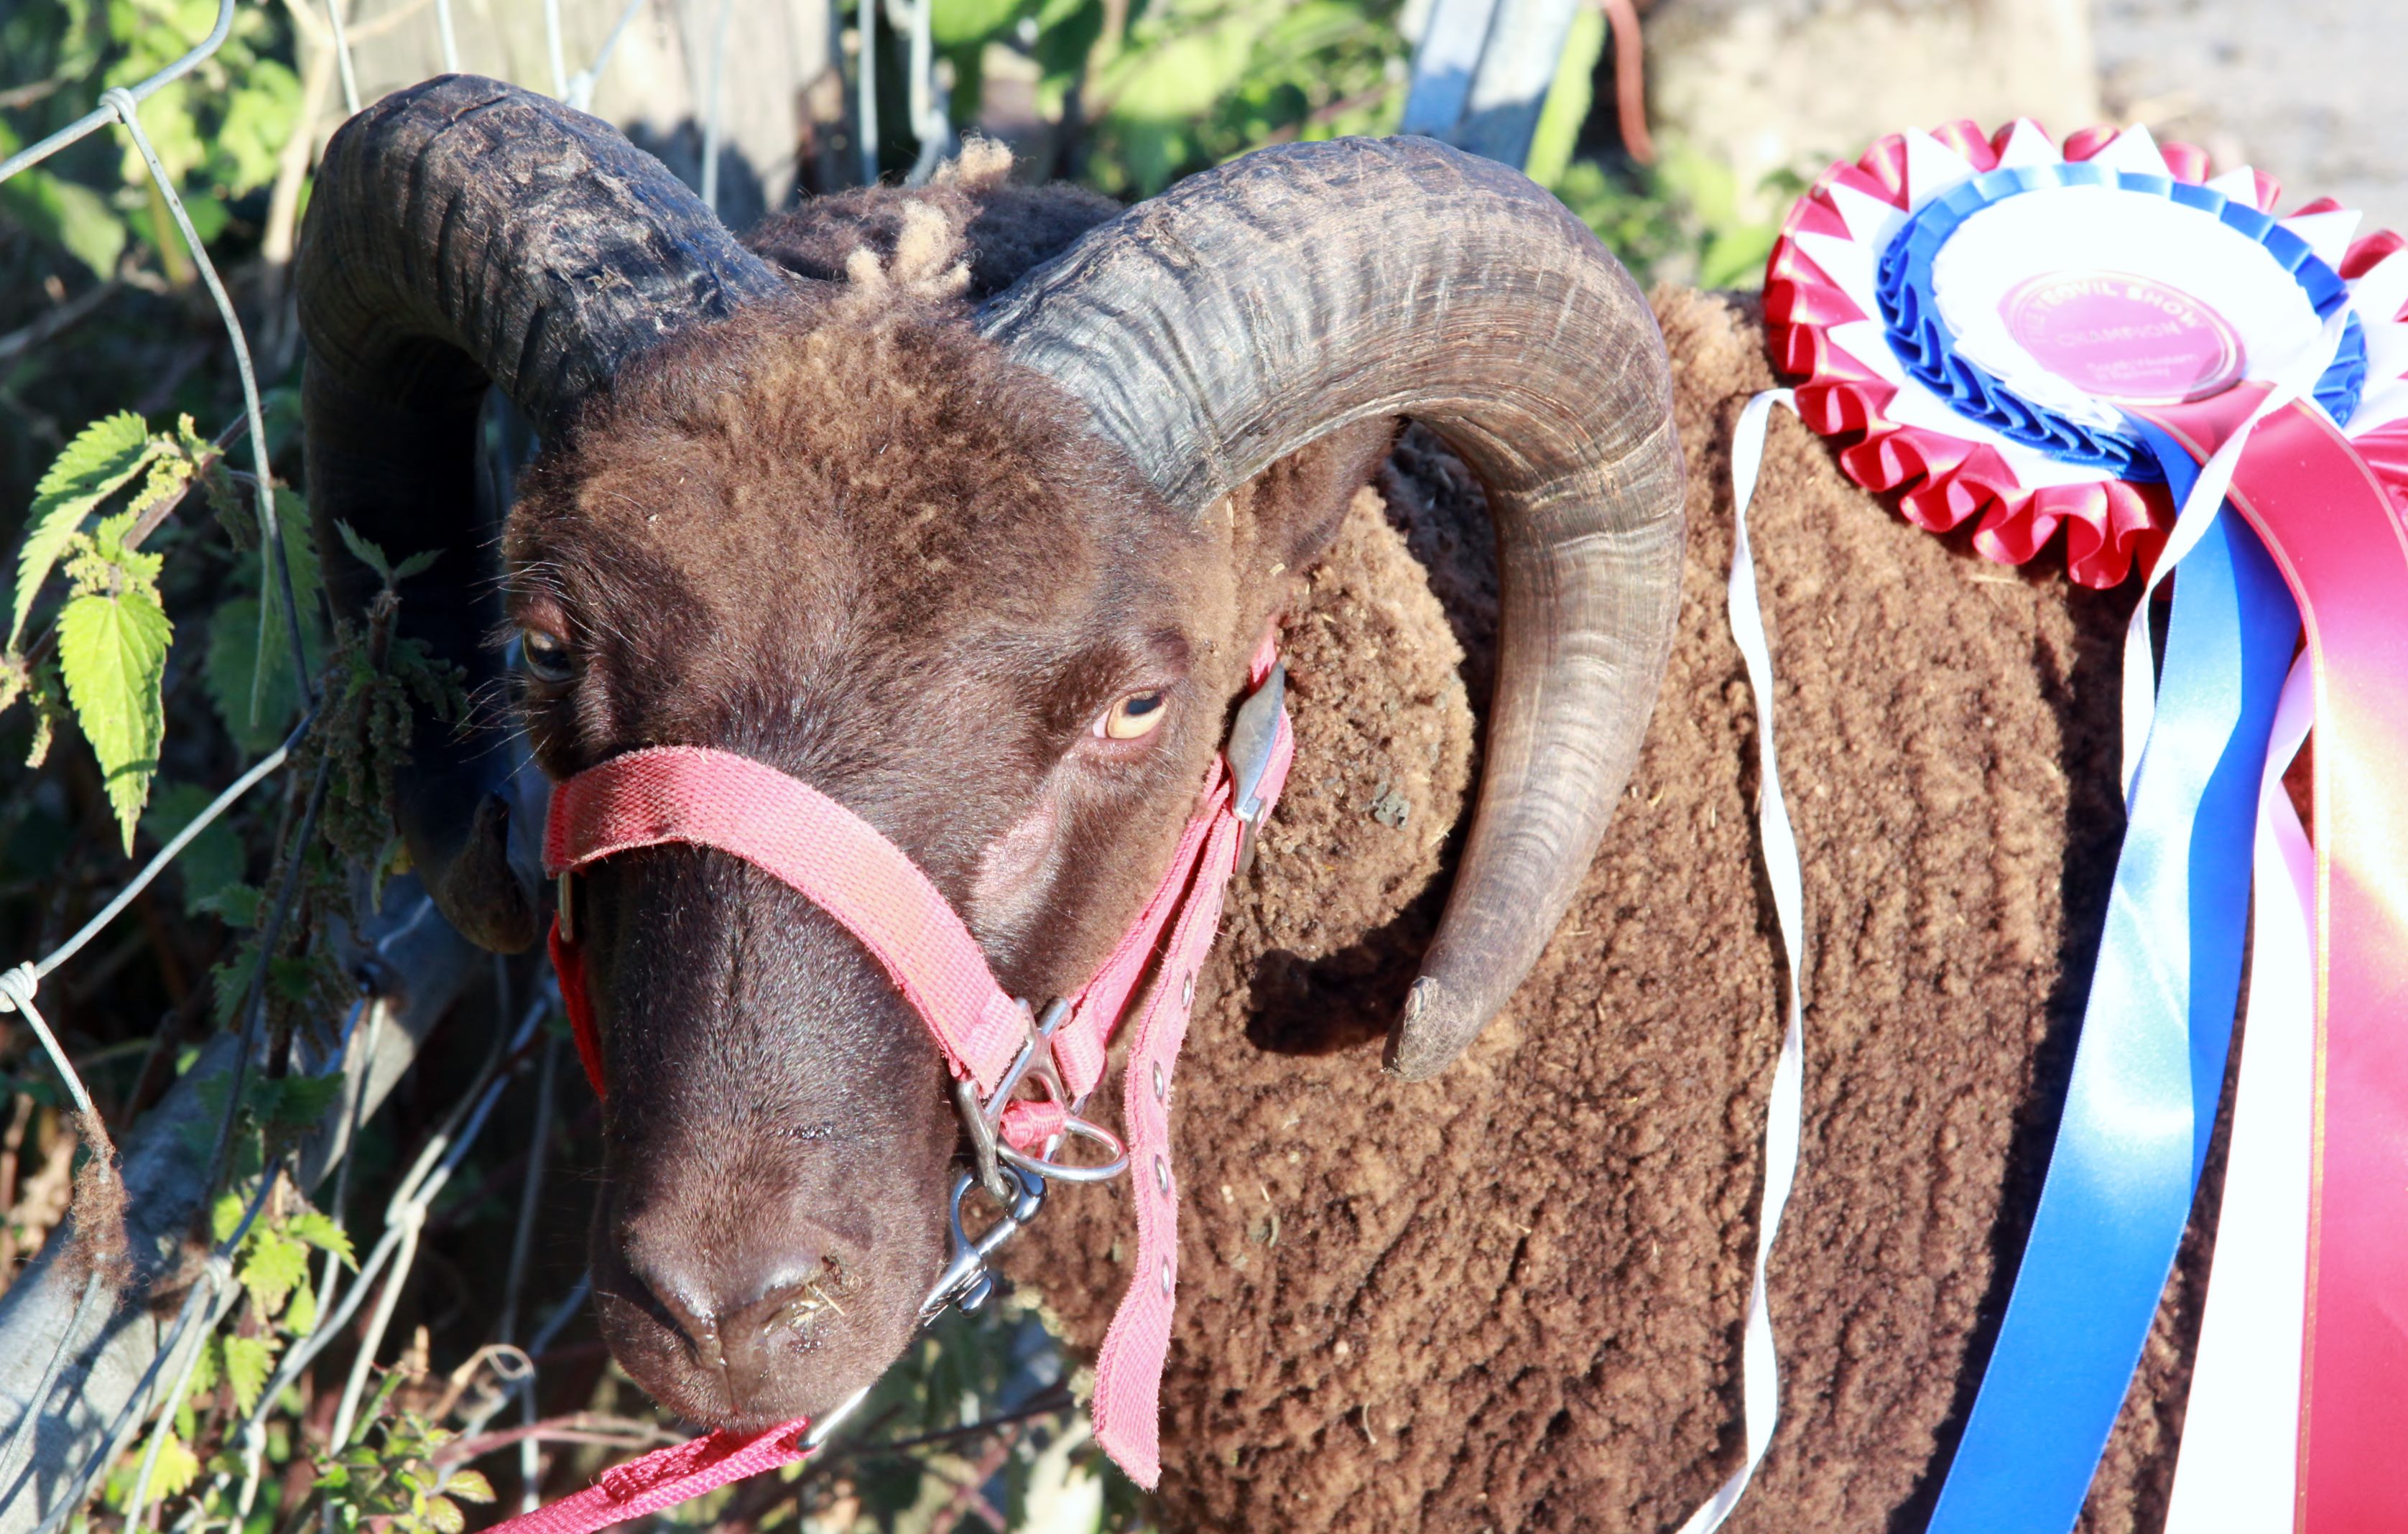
(2339, 539)
(2026, 338)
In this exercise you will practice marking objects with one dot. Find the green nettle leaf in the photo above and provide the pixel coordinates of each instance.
(365, 552)
(210, 861)
(274, 1264)
(113, 652)
(469, 1486)
(322, 1232)
(248, 1361)
(101, 459)
(237, 905)
(294, 1102)
(205, 1370)
(301, 1315)
(176, 1467)
(228, 670)
(225, 1216)
(75, 218)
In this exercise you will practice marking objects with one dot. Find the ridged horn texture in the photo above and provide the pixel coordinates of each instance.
(461, 231)
(1256, 307)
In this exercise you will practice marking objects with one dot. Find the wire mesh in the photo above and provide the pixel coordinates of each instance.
(391, 1260)
(380, 1276)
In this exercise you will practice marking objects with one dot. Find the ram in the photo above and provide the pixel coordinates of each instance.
(971, 508)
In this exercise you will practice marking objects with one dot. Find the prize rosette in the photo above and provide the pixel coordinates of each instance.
(1973, 312)
(2105, 337)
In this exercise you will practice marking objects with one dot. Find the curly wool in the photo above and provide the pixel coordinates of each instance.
(1511, 1299)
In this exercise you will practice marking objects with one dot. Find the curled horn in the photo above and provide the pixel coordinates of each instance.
(1254, 307)
(464, 232)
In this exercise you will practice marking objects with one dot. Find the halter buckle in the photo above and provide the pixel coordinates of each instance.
(1254, 736)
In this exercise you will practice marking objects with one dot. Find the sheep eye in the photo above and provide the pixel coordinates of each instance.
(545, 655)
(1133, 718)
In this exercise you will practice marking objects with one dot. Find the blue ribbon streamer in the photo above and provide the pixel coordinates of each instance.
(2149, 1068)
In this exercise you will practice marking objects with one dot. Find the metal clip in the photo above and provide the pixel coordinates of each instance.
(1252, 735)
(983, 1120)
(965, 1281)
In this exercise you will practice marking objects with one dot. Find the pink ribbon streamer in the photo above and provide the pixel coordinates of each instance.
(2332, 529)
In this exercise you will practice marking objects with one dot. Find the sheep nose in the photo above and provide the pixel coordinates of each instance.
(737, 1305)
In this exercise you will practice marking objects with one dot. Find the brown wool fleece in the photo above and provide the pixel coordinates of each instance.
(1511, 1299)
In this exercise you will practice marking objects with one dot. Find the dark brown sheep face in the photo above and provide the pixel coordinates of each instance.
(859, 549)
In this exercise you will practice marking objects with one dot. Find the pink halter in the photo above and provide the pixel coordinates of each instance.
(837, 861)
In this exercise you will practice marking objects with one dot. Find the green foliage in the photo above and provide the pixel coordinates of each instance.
(323, 1233)
(113, 631)
(68, 214)
(374, 682)
(213, 861)
(113, 653)
(1683, 219)
(387, 1475)
(248, 1362)
(272, 1264)
(1197, 82)
(256, 702)
(219, 131)
(96, 465)
(375, 558)
(1568, 98)
(1185, 84)
(294, 1102)
(176, 1467)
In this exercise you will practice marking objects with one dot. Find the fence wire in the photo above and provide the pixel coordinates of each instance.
(386, 1268)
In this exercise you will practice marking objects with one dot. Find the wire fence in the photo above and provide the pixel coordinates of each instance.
(359, 1303)
(504, 1371)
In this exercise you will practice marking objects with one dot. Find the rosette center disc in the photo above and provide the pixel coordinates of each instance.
(2122, 336)
(2057, 266)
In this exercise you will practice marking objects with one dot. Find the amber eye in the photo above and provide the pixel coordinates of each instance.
(1132, 718)
(546, 656)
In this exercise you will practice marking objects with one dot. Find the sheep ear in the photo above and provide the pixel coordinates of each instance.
(482, 893)
(1263, 304)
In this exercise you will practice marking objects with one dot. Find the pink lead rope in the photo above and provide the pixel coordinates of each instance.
(833, 857)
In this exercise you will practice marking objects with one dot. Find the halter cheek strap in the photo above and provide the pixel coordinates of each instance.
(700, 797)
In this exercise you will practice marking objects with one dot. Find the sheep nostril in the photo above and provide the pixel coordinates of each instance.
(730, 1302)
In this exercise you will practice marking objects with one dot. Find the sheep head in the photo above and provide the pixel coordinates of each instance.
(989, 577)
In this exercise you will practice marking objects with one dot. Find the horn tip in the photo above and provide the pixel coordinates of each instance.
(1430, 1031)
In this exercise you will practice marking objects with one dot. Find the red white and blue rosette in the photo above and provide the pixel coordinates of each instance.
(2104, 337)
(2011, 427)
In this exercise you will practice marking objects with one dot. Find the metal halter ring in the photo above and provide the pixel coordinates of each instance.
(983, 1120)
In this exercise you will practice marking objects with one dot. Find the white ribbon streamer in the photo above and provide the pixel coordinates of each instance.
(1759, 1364)
(2239, 1441)
(2199, 510)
